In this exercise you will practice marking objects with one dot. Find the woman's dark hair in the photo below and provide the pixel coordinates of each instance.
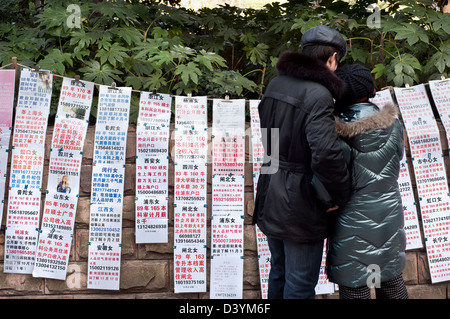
(322, 52)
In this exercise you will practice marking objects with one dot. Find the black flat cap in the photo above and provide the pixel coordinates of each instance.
(324, 35)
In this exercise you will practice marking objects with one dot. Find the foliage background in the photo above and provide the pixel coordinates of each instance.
(155, 44)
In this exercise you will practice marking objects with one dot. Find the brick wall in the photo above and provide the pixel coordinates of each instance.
(147, 269)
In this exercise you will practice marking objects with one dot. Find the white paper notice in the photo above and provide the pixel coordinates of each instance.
(227, 251)
(228, 195)
(7, 81)
(438, 208)
(27, 163)
(227, 235)
(22, 227)
(440, 91)
(108, 176)
(228, 143)
(430, 174)
(66, 154)
(104, 266)
(76, 99)
(264, 254)
(382, 98)
(227, 277)
(324, 286)
(190, 186)
(152, 168)
(412, 228)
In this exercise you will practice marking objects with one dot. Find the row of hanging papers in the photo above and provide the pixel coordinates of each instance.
(42, 247)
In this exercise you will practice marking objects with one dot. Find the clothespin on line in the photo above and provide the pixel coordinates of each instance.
(37, 69)
(407, 87)
(443, 79)
(113, 86)
(153, 92)
(189, 97)
(227, 96)
(78, 81)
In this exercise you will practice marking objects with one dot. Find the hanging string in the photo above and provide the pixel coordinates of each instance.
(1, 68)
(15, 64)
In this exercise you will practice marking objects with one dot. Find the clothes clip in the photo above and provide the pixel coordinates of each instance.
(113, 86)
(153, 93)
(36, 69)
(227, 96)
(407, 87)
(443, 79)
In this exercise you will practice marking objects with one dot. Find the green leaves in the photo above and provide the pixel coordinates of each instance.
(54, 19)
(359, 55)
(130, 35)
(102, 74)
(413, 33)
(441, 59)
(114, 54)
(116, 11)
(180, 51)
(232, 81)
(401, 70)
(55, 61)
(305, 25)
(210, 60)
(188, 72)
(410, 47)
(441, 21)
(80, 39)
(180, 67)
(257, 54)
(162, 58)
(379, 70)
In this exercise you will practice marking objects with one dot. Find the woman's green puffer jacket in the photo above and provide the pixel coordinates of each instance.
(368, 231)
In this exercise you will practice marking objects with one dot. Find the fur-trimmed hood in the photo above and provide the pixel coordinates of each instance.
(312, 69)
(378, 120)
(364, 126)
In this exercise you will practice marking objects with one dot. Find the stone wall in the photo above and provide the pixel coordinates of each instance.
(147, 269)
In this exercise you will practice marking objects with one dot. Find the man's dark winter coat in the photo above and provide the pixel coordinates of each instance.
(299, 102)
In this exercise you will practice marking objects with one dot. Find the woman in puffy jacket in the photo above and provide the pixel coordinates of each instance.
(367, 245)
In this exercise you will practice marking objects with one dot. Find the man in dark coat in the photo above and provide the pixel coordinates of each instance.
(300, 141)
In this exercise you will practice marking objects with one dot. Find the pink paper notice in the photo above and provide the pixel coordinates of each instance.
(7, 79)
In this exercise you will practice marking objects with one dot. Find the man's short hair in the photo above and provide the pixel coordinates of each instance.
(322, 52)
